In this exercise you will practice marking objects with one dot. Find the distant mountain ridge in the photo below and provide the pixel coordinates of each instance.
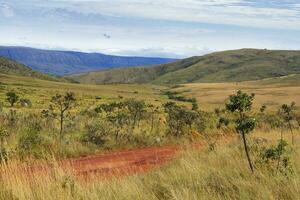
(72, 62)
(226, 66)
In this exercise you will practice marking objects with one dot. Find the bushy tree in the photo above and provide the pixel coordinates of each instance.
(241, 103)
(60, 107)
(12, 98)
(179, 118)
(136, 109)
(117, 114)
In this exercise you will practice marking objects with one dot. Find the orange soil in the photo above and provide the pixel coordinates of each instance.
(118, 164)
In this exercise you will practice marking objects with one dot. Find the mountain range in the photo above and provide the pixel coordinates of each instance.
(71, 62)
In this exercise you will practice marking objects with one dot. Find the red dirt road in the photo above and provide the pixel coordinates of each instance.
(122, 162)
(119, 163)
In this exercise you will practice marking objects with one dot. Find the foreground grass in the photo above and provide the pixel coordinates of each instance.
(197, 174)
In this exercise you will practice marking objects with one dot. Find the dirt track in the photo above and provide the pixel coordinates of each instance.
(122, 162)
(105, 165)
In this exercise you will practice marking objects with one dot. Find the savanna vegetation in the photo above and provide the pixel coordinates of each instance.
(250, 149)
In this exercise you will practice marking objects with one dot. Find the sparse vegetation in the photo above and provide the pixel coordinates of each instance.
(90, 124)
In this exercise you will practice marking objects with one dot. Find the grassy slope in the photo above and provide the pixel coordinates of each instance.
(8, 66)
(227, 66)
(40, 91)
(133, 74)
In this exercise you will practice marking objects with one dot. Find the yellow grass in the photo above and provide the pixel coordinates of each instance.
(212, 95)
(198, 174)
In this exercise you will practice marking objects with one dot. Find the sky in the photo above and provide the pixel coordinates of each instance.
(152, 28)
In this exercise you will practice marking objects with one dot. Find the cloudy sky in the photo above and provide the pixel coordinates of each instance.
(166, 28)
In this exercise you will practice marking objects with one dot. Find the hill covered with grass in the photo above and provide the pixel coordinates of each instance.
(226, 66)
(11, 67)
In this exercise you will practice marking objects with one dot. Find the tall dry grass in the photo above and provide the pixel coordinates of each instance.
(197, 174)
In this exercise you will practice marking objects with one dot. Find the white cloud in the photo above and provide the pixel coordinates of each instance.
(6, 11)
(232, 12)
(172, 28)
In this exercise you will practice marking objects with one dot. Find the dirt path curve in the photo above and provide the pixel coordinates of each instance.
(117, 163)
(122, 162)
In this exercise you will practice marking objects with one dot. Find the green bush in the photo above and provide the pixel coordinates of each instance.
(30, 143)
(97, 133)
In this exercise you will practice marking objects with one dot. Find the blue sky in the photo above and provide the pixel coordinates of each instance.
(166, 28)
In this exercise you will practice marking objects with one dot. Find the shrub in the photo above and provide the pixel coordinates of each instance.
(30, 144)
(97, 133)
(12, 98)
(275, 158)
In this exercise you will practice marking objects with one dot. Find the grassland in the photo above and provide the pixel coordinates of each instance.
(219, 174)
(270, 92)
(210, 173)
(227, 66)
(41, 91)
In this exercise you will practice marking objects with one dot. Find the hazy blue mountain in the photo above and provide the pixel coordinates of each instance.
(71, 62)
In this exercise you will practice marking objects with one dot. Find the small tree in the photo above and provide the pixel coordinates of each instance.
(287, 113)
(12, 98)
(136, 109)
(241, 103)
(60, 106)
(179, 118)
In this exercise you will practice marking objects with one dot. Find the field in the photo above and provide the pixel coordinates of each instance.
(216, 170)
(41, 91)
(270, 92)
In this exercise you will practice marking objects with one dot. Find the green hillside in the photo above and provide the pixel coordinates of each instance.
(226, 66)
(11, 67)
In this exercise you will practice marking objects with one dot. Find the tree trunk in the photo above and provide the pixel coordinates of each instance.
(281, 140)
(247, 152)
(290, 127)
(61, 125)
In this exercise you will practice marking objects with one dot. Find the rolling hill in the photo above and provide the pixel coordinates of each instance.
(69, 62)
(226, 66)
(11, 67)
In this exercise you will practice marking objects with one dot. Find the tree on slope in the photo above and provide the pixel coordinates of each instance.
(241, 104)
